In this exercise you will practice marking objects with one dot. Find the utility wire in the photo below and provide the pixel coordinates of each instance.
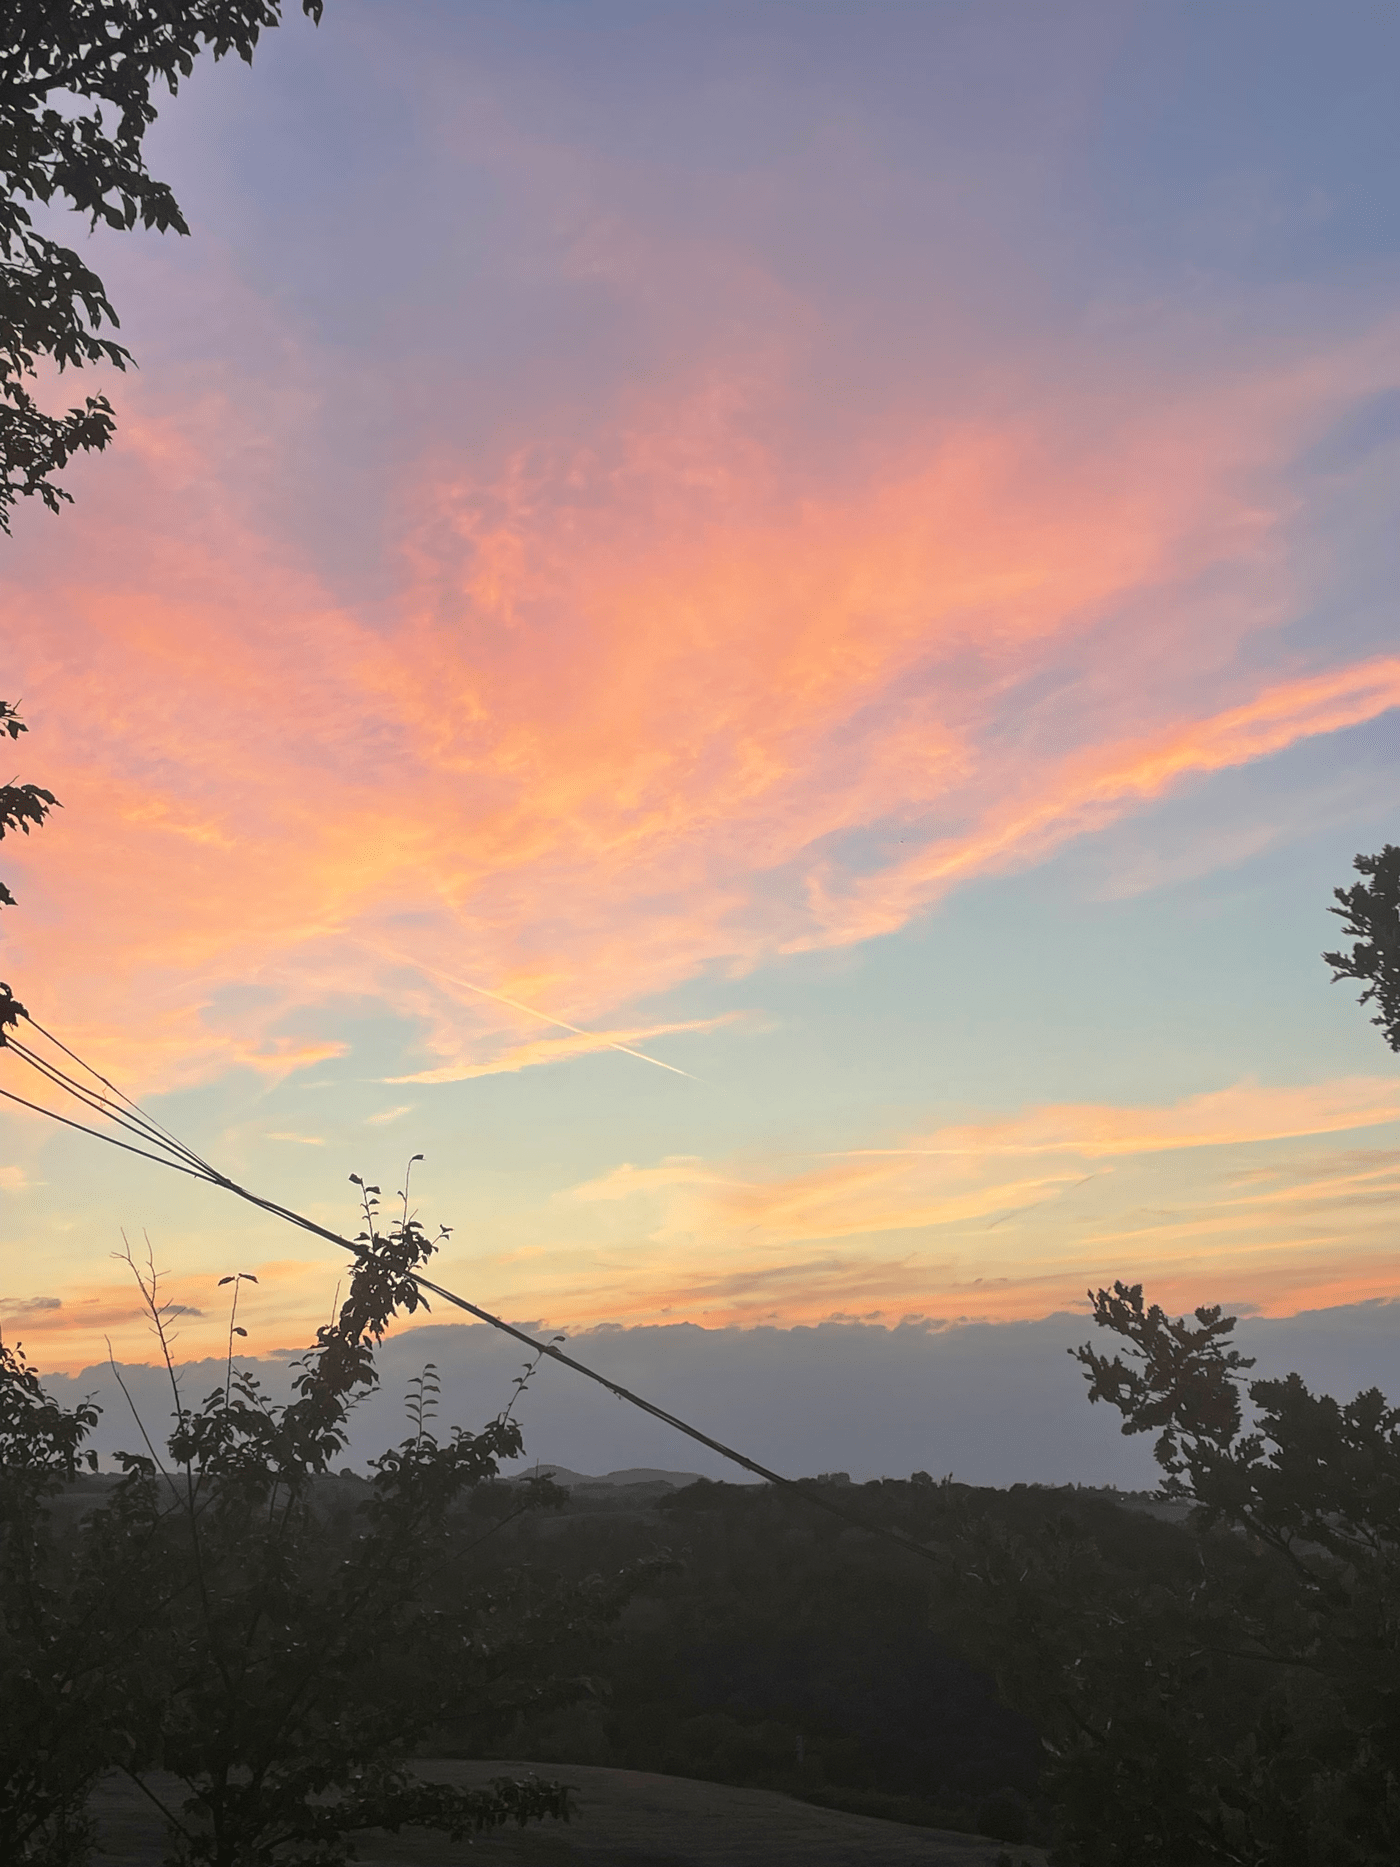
(133, 1115)
(98, 1104)
(161, 1160)
(120, 1094)
(681, 1426)
(120, 1109)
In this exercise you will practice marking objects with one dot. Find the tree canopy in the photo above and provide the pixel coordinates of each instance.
(1370, 912)
(77, 79)
(22, 806)
(217, 1619)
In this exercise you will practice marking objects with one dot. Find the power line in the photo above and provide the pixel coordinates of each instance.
(161, 1160)
(683, 1426)
(127, 1114)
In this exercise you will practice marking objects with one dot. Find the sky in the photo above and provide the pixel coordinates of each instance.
(760, 628)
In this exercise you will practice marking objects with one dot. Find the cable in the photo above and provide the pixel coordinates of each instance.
(149, 1129)
(681, 1426)
(161, 1160)
(100, 1104)
(134, 1118)
(119, 1093)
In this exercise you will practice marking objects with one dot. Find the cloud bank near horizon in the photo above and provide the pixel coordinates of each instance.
(995, 1404)
(1276, 1199)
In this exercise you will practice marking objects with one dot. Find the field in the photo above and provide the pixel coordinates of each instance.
(627, 1818)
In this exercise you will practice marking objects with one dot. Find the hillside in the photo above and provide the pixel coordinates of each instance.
(627, 1818)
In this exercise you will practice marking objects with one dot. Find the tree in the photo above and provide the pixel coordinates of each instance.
(1093, 1621)
(1219, 1690)
(106, 57)
(1371, 916)
(22, 807)
(50, 1748)
(216, 1619)
(1243, 1708)
(1240, 1707)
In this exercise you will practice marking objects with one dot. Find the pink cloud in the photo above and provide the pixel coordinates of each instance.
(1093, 788)
(642, 707)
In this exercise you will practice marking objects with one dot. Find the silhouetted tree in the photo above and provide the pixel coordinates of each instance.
(50, 1726)
(1240, 1707)
(22, 807)
(1370, 913)
(76, 83)
(1257, 1693)
(212, 1621)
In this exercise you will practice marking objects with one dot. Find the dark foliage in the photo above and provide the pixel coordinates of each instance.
(1370, 913)
(218, 1618)
(778, 1648)
(49, 1738)
(77, 79)
(1202, 1677)
(1243, 1709)
(1182, 1380)
(22, 807)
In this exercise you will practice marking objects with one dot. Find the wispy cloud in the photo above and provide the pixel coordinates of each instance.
(1219, 1118)
(1271, 1196)
(71, 1330)
(493, 702)
(1092, 789)
(385, 1116)
(1001, 1217)
(737, 713)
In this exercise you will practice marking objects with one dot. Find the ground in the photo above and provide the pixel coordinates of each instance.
(627, 1818)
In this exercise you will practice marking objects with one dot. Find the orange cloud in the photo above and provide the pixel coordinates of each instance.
(716, 659)
(1241, 1196)
(1219, 1118)
(1009, 1217)
(642, 706)
(69, 1325)
(972, 1171)
(1092, 789)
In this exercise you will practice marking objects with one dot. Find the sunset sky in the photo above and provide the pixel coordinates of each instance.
(762, 629)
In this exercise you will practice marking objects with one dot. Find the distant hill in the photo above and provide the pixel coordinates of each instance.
(634, 1475)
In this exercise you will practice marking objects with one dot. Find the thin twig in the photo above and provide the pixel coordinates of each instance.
(140, 1423)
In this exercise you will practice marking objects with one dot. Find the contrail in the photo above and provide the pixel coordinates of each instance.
(1016, 1210)
(529, 1010)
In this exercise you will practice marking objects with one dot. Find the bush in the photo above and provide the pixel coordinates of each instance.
(223, 1618)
